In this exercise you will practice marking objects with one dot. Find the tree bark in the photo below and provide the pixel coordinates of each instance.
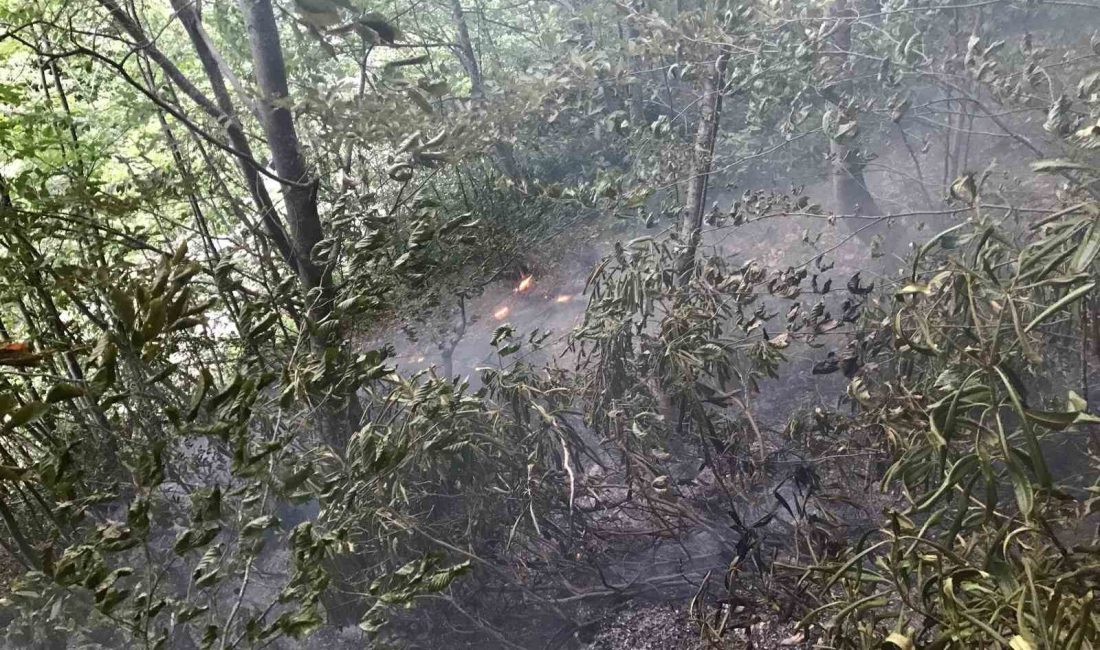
(850, 193)
(466, 54)
(27, 555)
(636, 100)
(189, 17)
(286, 154)
(339, 414)
(504, 152)
(849, 186)
(706, 133)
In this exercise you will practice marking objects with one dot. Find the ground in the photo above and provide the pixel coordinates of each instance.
(666, 627)
(9, 570)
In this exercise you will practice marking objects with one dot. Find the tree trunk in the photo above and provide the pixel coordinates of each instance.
(850, 193)
(27, 555)
(447, 357)
(504, 152)
(849, 187)
(636, 100)
(706, 133)
(189, 17)
(278, 124)
(340, 415)
(466, 54)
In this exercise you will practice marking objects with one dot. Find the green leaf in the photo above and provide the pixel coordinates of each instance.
(206, 380)
(191, 611)
(154, 319)
(1067, 299)
(264, 325)
(1087, 250)
(295, 480)
(1021, 485)
(209, 636)
(1055, 420)
(300, 623)
(420, 100)
(206, 504)
(106, 600)
(114, 536)
(402, 260)
(954, 476)
(228, 393)
(206, 571)
(123, 306)
(1034, 451)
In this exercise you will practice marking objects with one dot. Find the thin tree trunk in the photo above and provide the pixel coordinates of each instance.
(636, 101)
(504, 152)
(189, 17)
(466, 54)
(849, 186)
(27, 556)
(450, 343)
(706, 133)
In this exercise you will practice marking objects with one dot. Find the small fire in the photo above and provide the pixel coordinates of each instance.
(525, 283)
(563, 298)
(501, 313)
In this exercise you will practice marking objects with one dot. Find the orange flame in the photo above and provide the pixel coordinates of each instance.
(525, 283)
(563, 298)
(501, 313)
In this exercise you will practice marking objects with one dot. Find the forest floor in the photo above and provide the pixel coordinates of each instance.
(668, 627)
(10, 569)
(845, 500)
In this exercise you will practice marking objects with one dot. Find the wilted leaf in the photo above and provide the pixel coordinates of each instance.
(27, 414)
(827, 366)
(1053, 166)
(61, 392)
(258, 525)
(420, 100)
(14, 474)
(193, 538)
(855, 288)
(898, 641)
(18, 355)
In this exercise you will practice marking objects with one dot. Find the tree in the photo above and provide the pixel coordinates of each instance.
(706, 135)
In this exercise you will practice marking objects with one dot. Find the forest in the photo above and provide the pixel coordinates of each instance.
(550, 324)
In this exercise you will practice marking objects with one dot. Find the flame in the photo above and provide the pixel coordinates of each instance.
(525, 283)
(501, 313)
(563, 298)
(420, 359)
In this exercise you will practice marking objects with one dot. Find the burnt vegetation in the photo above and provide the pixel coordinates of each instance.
(550, 324)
